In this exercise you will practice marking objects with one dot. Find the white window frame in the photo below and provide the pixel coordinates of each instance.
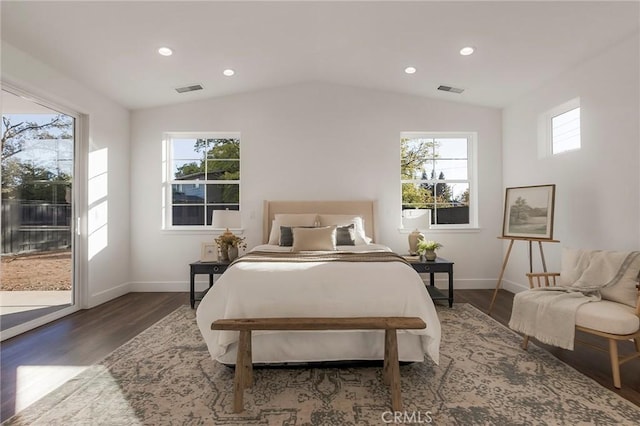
(545, 128)
(472, 180)
(167, 173)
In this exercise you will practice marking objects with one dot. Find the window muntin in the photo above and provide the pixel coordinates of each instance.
(204, 175)
(437, 173)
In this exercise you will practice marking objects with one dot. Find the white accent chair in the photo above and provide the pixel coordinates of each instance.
(616, 317)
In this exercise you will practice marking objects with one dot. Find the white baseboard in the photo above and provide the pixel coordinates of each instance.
(442, 283)
(109, 294)
(514, 287)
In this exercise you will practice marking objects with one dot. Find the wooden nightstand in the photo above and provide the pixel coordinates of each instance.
(432, 267)
(205, 268)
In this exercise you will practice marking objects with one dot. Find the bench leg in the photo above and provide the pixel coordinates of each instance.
(248, 364)
(392, 374)
(243, 358)
(386, 372)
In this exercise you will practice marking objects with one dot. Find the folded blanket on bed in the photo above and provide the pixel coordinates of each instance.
(321, 256)
(549, 313)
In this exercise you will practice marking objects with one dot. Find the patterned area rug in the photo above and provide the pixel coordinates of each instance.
(165, 376)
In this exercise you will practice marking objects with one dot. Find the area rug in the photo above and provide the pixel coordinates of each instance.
(166, 376)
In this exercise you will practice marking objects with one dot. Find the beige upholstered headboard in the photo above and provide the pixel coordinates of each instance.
(361, 208)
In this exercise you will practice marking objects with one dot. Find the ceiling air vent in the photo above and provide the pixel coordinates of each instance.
(450, 89)
(186, 89)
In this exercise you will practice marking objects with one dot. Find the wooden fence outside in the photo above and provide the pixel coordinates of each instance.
(29, 227)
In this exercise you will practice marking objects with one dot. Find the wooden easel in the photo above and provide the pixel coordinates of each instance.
(506, 260)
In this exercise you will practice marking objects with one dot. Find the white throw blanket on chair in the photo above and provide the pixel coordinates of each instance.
(549, 313)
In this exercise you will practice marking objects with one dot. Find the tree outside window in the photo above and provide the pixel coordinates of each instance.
(436, 175)
(204, 176)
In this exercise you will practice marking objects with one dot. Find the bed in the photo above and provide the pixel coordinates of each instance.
(360, 278)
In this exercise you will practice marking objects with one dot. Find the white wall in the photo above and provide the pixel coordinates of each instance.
(597, 187)
(107, 273)
(312, 141)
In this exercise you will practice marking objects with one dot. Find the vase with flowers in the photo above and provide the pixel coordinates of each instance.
(428, 249)
(228, 246)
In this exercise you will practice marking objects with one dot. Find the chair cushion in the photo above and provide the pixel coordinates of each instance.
(608, 317)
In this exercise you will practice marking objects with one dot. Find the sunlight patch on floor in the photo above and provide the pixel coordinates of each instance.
(35, 381)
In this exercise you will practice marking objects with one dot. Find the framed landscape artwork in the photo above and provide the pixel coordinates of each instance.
(528, 212)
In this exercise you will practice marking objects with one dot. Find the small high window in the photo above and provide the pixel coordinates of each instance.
(561, 127)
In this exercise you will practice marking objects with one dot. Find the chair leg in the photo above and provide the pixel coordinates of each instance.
(615, 362)
(525, 342)
(636, 341)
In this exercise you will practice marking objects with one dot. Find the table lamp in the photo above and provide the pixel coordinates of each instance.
(225, 219)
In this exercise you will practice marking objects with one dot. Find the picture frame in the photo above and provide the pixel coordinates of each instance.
(528, 212)
(209, 252)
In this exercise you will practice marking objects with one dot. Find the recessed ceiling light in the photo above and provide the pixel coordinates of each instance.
(165, 51)
(410, 70)
(466, 51)
(228, 72)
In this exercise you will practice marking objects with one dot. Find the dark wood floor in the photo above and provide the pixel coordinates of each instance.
(85, 337)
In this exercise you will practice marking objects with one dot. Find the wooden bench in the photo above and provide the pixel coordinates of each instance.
(244, 364)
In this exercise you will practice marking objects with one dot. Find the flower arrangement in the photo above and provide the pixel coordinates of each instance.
(229, 240)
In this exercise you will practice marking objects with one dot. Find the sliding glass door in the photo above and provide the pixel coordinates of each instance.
(37, 222)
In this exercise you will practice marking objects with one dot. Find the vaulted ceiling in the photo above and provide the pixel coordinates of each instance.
(112, 46)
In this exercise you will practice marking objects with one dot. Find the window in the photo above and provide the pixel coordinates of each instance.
(438, 180)
(203, 175)
(560, 128)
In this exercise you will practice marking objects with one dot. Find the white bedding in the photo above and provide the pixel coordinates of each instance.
(320, 289)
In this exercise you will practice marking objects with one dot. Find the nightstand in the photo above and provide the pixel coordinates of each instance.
(432, 267)
(204, 268)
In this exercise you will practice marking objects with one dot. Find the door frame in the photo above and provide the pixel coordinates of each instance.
(79, 211)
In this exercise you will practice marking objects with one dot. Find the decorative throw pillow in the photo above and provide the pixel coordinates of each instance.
(346, 235)
(625, 290)
(306, 239)
(293, 219)
(347, 219)
(573, 264)
(286, 235)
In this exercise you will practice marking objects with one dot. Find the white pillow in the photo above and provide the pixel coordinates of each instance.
(625, 290)
(284, 219)
(346, 219)
(305, 239)
(573, 264)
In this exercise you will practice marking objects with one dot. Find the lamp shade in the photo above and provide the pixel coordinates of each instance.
(416, 218)
(224, 219)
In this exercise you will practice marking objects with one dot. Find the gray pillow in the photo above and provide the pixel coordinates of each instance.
(346, 235)
(286, 235)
